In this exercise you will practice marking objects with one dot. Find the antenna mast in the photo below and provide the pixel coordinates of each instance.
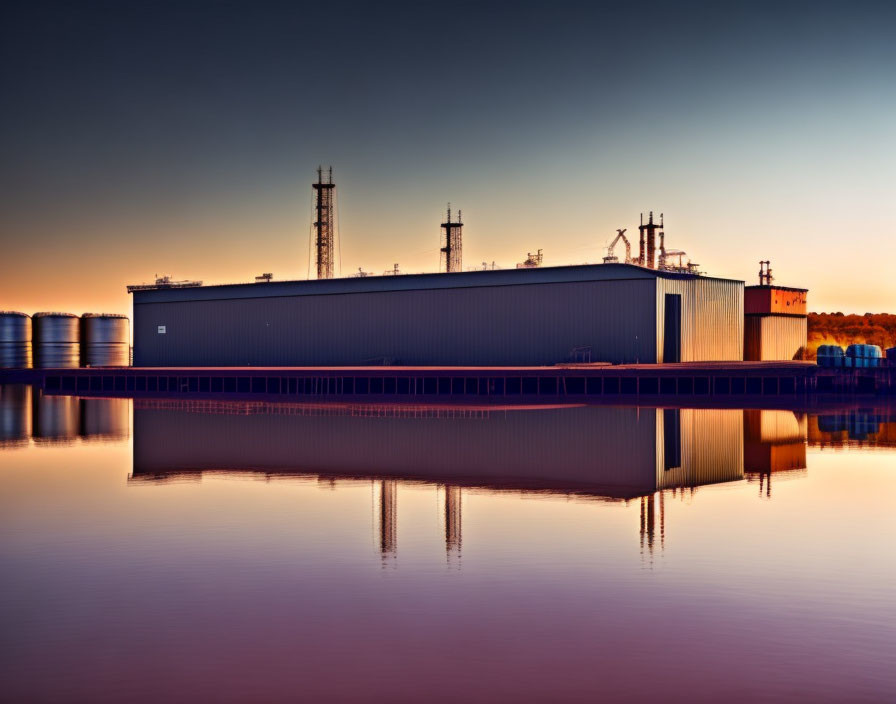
(452, 244)
(324, 224)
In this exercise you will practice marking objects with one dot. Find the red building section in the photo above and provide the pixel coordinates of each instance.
(780, 300)
(775, 323)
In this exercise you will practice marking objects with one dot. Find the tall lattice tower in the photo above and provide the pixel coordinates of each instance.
(452, 244)
(325, 224)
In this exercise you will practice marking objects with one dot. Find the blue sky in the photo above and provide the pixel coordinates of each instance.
(182, 138)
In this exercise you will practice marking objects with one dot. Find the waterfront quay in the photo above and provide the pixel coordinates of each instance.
(719, 380)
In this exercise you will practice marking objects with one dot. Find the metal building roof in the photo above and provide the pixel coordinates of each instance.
(410, 282)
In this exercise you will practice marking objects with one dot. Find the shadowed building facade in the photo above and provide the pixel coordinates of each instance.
(602, 313)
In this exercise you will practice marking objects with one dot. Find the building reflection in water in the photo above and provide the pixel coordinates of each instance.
(28, 413)
(590, 451)
(774, 445)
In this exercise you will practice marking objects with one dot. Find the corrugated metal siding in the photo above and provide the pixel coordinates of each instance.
(712, 318)
(712, 448)
(774, 337)
(500, 325)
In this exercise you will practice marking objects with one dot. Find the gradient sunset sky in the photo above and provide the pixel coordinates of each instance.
(182, 138)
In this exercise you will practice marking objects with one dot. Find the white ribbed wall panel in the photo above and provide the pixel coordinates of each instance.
(712, 318)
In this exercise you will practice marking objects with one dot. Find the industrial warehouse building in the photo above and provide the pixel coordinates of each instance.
(617, 313)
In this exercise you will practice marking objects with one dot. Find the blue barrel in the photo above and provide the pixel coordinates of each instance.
(863, 356)
(830, 356)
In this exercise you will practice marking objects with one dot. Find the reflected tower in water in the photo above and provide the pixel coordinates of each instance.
(387, 515)
(453, 520)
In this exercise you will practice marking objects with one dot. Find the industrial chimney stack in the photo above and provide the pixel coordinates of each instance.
(647, 252)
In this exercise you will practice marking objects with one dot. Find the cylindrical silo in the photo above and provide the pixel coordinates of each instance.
(15, 340)
(15, 414)
(56, 340)
(105, 340)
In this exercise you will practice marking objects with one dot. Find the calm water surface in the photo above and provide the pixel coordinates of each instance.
(157, 550)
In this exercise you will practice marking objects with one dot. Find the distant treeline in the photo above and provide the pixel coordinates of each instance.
(843, 330)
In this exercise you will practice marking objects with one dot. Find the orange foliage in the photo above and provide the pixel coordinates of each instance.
(838, 329)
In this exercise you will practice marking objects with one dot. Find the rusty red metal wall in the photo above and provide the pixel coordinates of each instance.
(775, 299)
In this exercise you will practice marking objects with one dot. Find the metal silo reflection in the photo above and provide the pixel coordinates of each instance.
(105, 418)
(15, 414)
(56, 419)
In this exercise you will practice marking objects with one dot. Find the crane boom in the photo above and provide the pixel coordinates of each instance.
(610, 258)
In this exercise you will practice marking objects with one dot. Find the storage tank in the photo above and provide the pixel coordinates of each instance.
(863, 356)
(830, 356)
(15, 340)
(56, 340)
(105, 340)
